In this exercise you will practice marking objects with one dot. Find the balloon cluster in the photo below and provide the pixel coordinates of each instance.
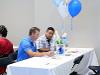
(74, 6)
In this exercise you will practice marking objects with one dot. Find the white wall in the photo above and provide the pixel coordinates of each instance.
(20, 15)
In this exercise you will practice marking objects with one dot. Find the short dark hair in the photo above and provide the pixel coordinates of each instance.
(33, 30)
(3, 31)
(51, 28)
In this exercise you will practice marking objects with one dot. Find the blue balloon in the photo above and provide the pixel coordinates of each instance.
(74, 7)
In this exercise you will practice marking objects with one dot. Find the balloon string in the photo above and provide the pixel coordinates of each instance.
(71, 23)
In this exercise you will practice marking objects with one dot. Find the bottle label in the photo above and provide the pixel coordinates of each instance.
(60, 49)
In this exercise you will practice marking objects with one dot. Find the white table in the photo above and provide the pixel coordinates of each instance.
(58, 65)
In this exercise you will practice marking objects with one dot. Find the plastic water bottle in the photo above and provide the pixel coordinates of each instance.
(59, 44)
(60, 47)
(64, 39)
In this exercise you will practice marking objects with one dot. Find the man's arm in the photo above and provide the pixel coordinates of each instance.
(43, 49)
(29, 51)
(38, 54)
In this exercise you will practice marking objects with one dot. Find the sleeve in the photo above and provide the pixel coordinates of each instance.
(26, 46)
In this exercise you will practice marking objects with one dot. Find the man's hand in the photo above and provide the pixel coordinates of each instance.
(50, 53)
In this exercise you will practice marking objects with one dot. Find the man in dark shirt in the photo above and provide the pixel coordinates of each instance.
(6, 47)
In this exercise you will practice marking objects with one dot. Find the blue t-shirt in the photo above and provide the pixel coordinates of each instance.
(25, 45)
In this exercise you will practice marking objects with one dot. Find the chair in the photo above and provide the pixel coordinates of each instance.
(4, 61)
(95, 69)
(77, 61)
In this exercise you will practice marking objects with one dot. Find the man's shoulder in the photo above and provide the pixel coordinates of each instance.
(25, 40)
(42, 37)
(4, 40)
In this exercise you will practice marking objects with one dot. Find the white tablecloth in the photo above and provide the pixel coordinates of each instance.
(57, 65)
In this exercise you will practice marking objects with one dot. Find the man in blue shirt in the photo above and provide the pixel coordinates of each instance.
(27, 47)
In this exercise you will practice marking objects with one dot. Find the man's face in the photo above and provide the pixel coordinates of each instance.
(35, 35)
(49, 34)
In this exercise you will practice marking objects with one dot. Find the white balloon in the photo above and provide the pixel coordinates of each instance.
(66, 1)
(62, 9)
